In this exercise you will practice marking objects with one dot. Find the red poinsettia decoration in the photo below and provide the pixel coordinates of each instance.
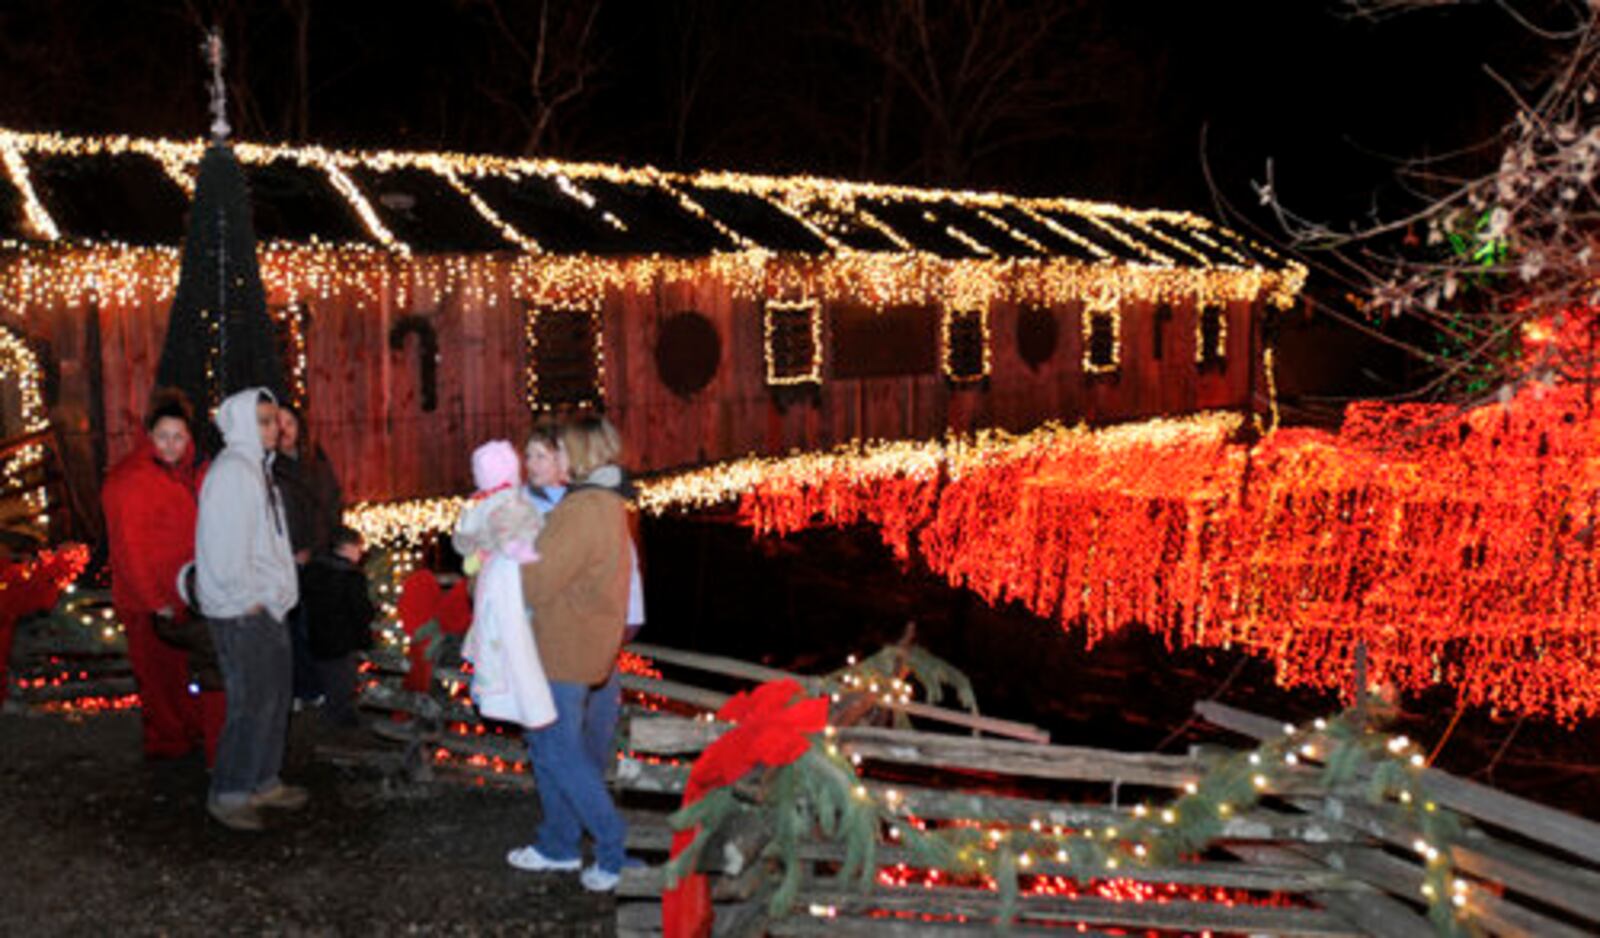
(773, 729)
(423, 601)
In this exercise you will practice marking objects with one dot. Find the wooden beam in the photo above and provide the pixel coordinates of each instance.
(1299, 878)
(733, 667)
(1374, 914)
(1004, 757)
(1502, 916)
(675, 690)
(800, 926)
(984, 907)
(717, 664)
(1561, 885)
(1575, 835)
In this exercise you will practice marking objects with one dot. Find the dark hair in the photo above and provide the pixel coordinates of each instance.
(546, 433)
(169, 403)
(343, 535)
(303, 443)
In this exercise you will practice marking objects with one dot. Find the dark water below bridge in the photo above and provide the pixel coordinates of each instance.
(807, 601)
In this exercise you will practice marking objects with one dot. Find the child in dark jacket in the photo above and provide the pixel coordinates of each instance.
(339, 613)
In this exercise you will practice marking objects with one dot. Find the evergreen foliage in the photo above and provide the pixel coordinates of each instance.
(219, 336)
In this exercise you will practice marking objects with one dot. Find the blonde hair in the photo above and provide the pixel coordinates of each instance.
(590, 442)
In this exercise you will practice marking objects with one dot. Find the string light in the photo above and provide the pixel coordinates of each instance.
(19, 361)
(1423, 534)
(1205, 353)
(487, 212)
(775, 319)
(1102, 315)
(965, 327)
(904, 276)
(595, 393)
(293, 319)
(33, 210)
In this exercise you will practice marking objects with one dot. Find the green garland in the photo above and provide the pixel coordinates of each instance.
(822, 795)
(879, 676)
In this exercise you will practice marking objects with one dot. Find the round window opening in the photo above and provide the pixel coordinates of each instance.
(688, 351)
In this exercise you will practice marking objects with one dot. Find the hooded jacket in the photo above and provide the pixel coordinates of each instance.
(242, 554)
(150, 516)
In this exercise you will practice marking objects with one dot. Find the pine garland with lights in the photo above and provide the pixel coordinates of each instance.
(880, 676)
(820, 795)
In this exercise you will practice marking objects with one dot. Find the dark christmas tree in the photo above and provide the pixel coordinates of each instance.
(219, 337)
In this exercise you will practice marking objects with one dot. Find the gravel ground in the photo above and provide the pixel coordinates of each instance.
(102, 841)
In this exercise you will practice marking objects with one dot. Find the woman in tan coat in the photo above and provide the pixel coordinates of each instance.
(578, 592)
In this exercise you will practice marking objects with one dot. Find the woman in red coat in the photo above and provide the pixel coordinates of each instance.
(150, 500)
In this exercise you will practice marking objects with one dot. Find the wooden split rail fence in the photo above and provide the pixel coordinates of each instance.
(1305, 861)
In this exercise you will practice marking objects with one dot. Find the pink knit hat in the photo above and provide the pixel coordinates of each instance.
(495, 465)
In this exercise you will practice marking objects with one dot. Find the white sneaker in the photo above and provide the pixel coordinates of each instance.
(529, 858)
(595, 879)
(287, 797)
(238, 816)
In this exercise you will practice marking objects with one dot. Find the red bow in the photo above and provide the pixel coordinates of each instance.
(772, 731)
(423, 600)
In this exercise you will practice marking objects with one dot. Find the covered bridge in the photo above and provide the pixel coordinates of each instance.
(428, 301)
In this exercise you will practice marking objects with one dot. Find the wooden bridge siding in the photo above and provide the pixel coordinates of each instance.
(365, 402)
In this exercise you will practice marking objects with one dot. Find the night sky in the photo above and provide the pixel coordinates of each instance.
(1107, 100)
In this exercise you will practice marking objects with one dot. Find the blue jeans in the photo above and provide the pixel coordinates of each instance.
(257, 663)
(600, 718)
(572, 790)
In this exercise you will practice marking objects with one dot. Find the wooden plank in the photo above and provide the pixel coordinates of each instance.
(717, 664)
(675, 690)
(675, 734)
(1502, 916)
(1575, 835)
(1562, 885)
(984, 907)
(1375, 914)
(1263, 877)
(1010, 758)
(934, 804)
(991, 756)
(802, 924)
(651, 777)
(732, 667)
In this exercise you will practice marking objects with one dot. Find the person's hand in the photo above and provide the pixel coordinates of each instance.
(302, 556)
(165, 612)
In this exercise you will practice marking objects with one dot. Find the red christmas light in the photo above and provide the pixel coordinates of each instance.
(1457, 546)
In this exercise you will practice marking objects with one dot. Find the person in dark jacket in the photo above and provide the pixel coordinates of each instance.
(339, 608)
(311, 505)
(311, 495)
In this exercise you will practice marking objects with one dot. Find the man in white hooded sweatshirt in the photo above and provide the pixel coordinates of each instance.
(245, 578)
